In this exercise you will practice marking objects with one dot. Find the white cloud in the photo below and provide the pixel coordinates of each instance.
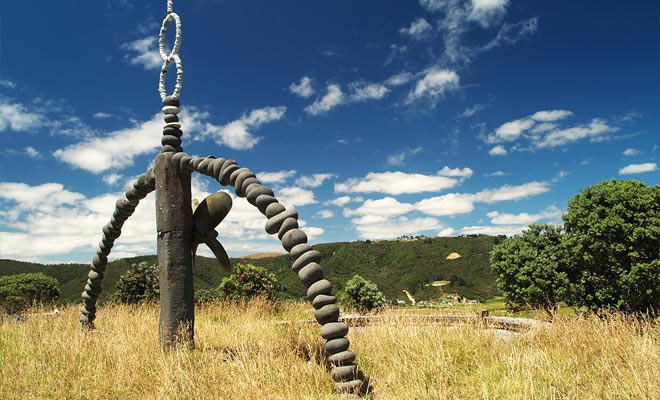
(332, 98)
(383, 227)
(314, 180)
(32, 152)
(470, 111)
(510, 131)
(594, 131)
(275, 177)
(399, 79)
(498, 150)
(101, 115)
(324, 214)
(497, 218)
(512, 33)
(511, 192)
(7, 84)
(111, 179)
(144, 52)
(487, 12)
(17, 118)
(456, 172)
(418, 29)
(449, 204)
(339, 201)
(387, 206)
(551, 115)
(399, 158)
(508, 230)
(294, 196)
(395, 183)
(434, 84)
(638, 168)
(303, 88)
(361, 91)
(630, 152)
(237, 134)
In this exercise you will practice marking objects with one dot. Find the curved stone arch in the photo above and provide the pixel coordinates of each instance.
(280, 221)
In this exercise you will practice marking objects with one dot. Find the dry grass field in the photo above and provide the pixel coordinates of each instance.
(261, 351)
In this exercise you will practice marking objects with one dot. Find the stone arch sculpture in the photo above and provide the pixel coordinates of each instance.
(170, 178)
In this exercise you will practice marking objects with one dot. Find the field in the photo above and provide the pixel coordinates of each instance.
(265, 351)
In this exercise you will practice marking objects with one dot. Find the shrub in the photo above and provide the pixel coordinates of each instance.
(23, 290)
(137, 285)
(362, 295)
(247, 282)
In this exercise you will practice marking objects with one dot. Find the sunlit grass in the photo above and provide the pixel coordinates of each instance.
(261, 351)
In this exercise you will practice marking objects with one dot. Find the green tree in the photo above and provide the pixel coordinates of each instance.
(531, 268)
(138, 284)
(362, 295)
(613, 231)
(24, 290)
(249, 281)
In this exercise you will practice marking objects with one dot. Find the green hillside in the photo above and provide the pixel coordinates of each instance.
(393, 265)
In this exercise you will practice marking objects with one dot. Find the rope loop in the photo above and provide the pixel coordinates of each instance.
(173, 56)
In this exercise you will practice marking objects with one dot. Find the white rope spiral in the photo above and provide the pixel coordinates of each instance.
(173, 56)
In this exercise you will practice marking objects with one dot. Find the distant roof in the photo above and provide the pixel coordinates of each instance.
(453, 256)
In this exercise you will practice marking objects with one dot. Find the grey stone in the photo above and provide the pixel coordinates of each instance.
(242, 177)
(249, 181)
(263, 201)
(305, 258)
(171, 149)
(228, 168)
(299, 250)
(344, 373)
(326, 314)
(275, 222)
(205, 165)
(293, 237)
(216, 166)
(338, 345)
(287, 225)
(310, 273)
(171, 101)
(95, 275)
(323, 300)
(99, 262)
(169, 118)
(87, 296)
(274, 209)
(320, 287)
(170, 141)
(172, 131)
(334, 330)
(234, 175)
(342, 358)
(254, 192)
(351, 387)
(88, 311)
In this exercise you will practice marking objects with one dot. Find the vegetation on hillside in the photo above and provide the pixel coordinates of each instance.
(25, 290)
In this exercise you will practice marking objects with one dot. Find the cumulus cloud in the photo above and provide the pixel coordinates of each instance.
(498, 218)
(387, 206)
(630, 152)
(303, 88)
(399, 158)
(331, 99)
(339, 201)
(384, 227)
(434, 84)
(16, 117)
(295, 196)
(276, 176)
(314, 180)
(418, 29)
(456, 172)
(143, 52)
(361, 91)
(395, 183)
(324, 214)
(238, 134)
(449, 204)
(638, 168)
(486, 12)
(399, 79)
(498, 150)
(512, 192)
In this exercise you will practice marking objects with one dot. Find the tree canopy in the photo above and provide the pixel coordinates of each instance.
(137, 285)
(249, 281)
(24, 290)
(362, 295)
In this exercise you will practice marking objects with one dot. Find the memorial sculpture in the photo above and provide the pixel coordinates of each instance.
(180, 232)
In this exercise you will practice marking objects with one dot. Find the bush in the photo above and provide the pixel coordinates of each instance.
(206, 296)
(247, 282)
(138, 285)
(362, 295)
(24, 290)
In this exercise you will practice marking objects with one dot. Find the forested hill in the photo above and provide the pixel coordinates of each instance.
(392, 265)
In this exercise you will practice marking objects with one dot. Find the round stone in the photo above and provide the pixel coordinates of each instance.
(342, 358)
(171, 149)
(263, 201)
(274, 209)
(292, 238)
(217, 167)
(171, 131)
(228, 168)
(240, 179)
(320, 287)
(95, 275)
(234, 175)
(275, 222)
(305, 258)
(169, 118)
(99, 262)
(338, 345)
(249, 181)
(323, 300)
(287, 225)
(299, 249)
(334, 330)
(327, 314)
(256, 191)
(171, 110)
(310, 273)
(203, 166)
(352, 387)
(171, 101)
(344, 373)
(170, 140)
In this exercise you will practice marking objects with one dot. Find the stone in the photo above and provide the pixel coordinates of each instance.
(171, 149)
(242, 177)
(171, 118)
(275, 222)
(171, 101)
(204, 165)
(249, 181)
(170, 141)
(99, 262)
(344, 373)
(274, 209)
(263, 201)
(287, 225)
(350, 387)
(342, 358)
(174, 125)
(305, 258)
(334, 330)
(216, 166)
(254, 192)
(326, 314)
(171, 110)
(227, 169)
(323, 300)
(234, 175)
(172, 131)
(95, 275)
(310, 273)
(293, 237)
(299, 249)
(320, 287)
(87, 296)
(335, 346)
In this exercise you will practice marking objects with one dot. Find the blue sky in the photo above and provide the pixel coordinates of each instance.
(374, 118)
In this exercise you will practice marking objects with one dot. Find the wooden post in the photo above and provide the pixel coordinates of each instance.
(174, 226)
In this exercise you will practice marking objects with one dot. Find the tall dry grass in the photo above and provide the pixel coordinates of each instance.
(259, 351)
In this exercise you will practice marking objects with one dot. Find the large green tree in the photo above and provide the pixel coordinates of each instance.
(249, 281)
(138, 284)
(613, 232)
(531, 268)
(362, 295)
(24, 290)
